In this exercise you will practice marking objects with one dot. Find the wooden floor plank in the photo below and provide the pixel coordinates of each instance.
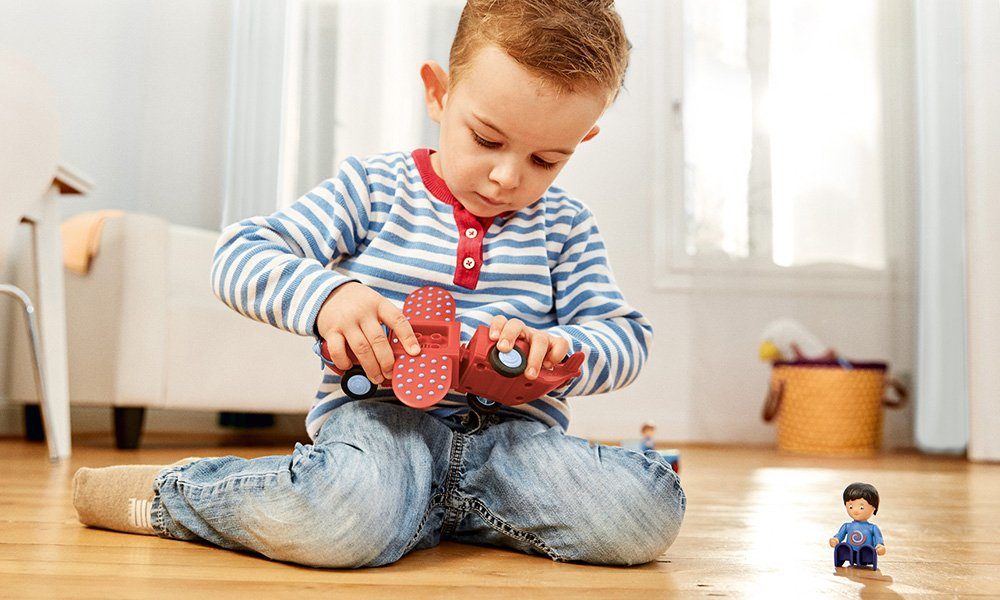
(757, 524)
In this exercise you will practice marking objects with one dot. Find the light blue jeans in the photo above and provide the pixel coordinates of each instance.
(383, 479)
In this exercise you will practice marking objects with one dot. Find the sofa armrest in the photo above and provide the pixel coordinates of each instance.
(116, 315)
(219, 359)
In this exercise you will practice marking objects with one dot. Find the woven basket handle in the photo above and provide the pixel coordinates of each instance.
(902, 393)
(772, 402)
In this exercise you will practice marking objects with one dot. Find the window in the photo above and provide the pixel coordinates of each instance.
(781, 124)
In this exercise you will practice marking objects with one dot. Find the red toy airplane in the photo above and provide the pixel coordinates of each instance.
(479, 369)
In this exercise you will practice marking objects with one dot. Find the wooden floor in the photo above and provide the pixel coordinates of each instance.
(757, 525)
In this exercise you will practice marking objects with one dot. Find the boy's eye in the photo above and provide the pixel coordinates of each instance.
(542, 163)
(484, 142)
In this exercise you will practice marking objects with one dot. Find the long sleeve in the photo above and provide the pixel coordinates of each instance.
(842, 532)
(876, 535)
(277, 269)
(593, 315)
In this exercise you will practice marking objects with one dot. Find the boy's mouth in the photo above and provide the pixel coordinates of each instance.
(489, 200)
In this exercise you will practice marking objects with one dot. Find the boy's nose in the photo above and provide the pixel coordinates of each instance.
(505, 175)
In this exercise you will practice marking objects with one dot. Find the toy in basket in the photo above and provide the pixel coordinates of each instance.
(824, 404)
(487, 376)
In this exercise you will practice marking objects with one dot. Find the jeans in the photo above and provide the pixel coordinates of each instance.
(383, 479)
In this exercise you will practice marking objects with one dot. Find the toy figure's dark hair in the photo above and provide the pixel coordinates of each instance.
(863, 491)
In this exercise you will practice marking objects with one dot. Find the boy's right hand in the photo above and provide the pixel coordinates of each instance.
(352, 316)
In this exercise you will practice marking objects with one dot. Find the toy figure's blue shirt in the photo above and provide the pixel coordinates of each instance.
(859, 533)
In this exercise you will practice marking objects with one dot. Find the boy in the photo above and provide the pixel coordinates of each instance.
(528, 80)
(859, 541)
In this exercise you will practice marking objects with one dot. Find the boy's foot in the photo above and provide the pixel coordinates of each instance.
(119, 497)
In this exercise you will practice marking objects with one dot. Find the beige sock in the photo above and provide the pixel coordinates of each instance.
(119, 497)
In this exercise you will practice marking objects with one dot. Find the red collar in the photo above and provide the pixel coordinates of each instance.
(437, 186)
(470, 228)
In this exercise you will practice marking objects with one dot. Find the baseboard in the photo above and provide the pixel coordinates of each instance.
(87, 419)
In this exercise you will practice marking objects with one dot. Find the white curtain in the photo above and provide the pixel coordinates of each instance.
(316, 80)
(942, 398)
(254, 130)
(825, 112)
(783, 131)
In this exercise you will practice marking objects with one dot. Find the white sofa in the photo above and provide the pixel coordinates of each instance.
(146, 331)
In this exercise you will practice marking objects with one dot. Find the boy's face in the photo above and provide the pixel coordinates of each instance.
(859, 509)
(504, 137)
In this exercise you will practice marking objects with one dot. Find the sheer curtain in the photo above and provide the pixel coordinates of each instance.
(783, 131)
(825, 118)
(316, 80)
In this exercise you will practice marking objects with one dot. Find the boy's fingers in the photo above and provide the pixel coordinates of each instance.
(337, 350)
(400, 325)
(363, 349)
(379, 341)
(509, 333)
(536, 352)
(558, 349)
(496, 325)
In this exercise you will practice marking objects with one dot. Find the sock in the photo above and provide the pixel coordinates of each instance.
(118, 498)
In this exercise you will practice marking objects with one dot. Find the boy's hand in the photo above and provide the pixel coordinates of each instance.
(352, 316)
(544, 350)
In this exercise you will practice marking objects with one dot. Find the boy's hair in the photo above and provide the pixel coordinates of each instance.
(862, 491)
(569, 44)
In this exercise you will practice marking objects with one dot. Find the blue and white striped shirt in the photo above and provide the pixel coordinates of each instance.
(390, 222)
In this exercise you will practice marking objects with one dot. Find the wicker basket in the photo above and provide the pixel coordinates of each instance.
(830, 408)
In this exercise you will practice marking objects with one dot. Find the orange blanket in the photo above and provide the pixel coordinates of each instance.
(81, 235)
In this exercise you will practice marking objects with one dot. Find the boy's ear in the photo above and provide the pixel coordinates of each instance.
(591, 133)
(435, 88)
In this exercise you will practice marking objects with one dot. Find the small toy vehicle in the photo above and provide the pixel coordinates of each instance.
(479, 369)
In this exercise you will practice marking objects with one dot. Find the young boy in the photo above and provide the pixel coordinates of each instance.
(528, 80)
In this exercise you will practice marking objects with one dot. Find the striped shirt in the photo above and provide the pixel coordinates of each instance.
(390, 222)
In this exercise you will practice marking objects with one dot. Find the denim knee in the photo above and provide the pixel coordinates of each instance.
(340, 513)
(640, 526)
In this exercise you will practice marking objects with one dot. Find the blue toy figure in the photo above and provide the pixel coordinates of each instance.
(647, 443)
(859, 541)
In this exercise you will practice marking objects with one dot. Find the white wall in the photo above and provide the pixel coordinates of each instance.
(141, 88)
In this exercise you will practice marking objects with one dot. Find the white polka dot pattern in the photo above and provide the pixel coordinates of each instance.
(421, 381)
(429, 303)
(413, 382)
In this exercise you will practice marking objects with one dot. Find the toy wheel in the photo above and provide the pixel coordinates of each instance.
(508, 364)
(356, 384)
(482, 405)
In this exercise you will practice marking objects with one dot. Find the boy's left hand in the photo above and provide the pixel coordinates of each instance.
(544, 350)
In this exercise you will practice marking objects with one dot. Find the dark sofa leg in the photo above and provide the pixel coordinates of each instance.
(34, 430)
(128, 426)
